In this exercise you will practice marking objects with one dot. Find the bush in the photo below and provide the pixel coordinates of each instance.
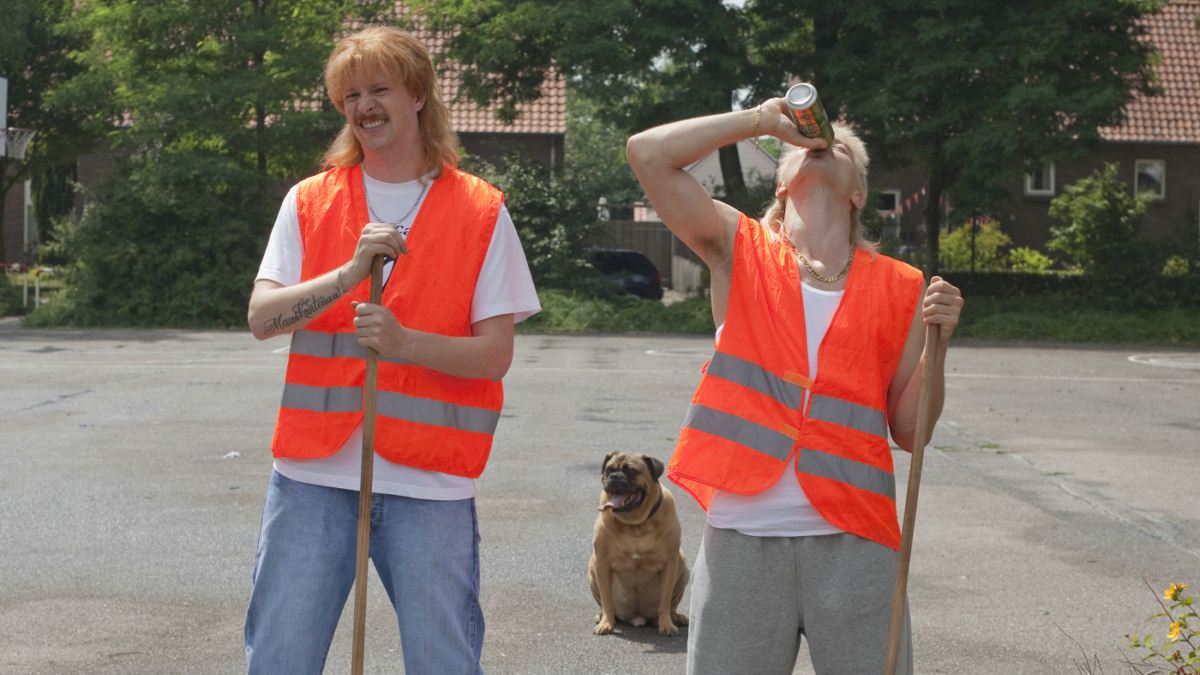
(1100, 228)
(10, 297)
(173, 239)
(1025, 259)
(1018, 284)
(569, 312)
(1176, 267)
(954, 247)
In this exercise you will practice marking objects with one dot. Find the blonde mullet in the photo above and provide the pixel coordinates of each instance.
(402, 56)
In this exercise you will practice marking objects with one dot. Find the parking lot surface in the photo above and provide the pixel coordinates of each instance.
(133, 466)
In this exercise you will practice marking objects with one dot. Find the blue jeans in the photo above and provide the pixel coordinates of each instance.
(426, 553)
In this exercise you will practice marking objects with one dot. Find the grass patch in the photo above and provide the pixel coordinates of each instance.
(1051, 318)
(1059, 319)
(567, 312)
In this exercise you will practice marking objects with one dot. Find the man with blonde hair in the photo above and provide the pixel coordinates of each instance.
(455, 283)
(818, 357)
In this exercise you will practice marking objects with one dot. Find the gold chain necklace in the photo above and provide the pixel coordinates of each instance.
(813, 273)
(396, 224)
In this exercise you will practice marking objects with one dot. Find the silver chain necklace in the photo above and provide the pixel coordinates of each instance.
(375, 216)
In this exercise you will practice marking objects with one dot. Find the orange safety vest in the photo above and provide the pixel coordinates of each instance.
(426, 419)
(749, 415)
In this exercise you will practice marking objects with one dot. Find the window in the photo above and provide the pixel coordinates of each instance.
(1150, 175)
(1040, 181)
(889, 202)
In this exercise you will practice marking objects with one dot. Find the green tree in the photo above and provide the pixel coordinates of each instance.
(649, 61)
(210, 105)
(969, 92)
(595, 155)
(35, 57)
(973, 92)
(553, 214)
(1099, 227)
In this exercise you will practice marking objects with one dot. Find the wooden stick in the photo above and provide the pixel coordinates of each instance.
(364, 485)
(933, 334)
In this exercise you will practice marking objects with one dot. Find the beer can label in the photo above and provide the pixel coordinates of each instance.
(804, 108)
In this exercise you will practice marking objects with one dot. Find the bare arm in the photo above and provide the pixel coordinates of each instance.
(942, 305)
(486, 353)
(276, 309)
(659, 156)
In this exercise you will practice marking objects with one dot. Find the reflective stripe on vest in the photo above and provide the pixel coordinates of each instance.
(322, 399)
(739, 430)
(390, 404)
(754, 376)
(860, 417)
(333, 345)
(856, 474)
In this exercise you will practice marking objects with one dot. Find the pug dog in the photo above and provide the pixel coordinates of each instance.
(637, 570)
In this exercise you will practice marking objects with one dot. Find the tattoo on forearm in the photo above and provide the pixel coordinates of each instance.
(306, 308)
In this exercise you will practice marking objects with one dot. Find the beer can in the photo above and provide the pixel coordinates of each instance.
(804, 109)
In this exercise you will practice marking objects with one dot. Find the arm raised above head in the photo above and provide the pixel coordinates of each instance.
(660, 157)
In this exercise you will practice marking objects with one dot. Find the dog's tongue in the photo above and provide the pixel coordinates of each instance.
(615, 502)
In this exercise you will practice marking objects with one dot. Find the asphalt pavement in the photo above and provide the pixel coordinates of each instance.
(133, 466)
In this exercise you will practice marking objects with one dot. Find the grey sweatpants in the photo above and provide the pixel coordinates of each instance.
(754, 597)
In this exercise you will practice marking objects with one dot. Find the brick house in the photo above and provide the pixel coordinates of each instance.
(1157, 149)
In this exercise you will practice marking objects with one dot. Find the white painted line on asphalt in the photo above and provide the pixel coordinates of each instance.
(136, 366)
(1183, 361)
(697, 352)
(1071, 378)
(517, 369)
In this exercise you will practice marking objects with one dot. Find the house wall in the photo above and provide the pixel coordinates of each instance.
(544, 148)
(92, 170)
(1026, 218)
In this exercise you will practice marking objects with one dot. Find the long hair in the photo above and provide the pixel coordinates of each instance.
(773, 217)
(400, 55)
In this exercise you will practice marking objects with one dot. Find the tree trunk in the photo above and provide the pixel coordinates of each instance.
(933, 216)
(731, 172)
(260, 110)
(260, 137)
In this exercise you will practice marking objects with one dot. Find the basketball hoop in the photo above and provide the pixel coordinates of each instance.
(17, 141)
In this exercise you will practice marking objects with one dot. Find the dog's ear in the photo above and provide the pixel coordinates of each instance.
(605, 464)
(656, 467)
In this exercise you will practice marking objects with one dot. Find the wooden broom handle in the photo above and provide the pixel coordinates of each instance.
(933, 334)
(364, 486)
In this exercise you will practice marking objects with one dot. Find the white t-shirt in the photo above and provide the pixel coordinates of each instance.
(782, 510)
(505, 286)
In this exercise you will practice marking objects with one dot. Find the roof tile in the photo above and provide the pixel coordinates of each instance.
(546, 115)
(1174, 115)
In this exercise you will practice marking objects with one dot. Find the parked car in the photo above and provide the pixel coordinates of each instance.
(628, 271)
